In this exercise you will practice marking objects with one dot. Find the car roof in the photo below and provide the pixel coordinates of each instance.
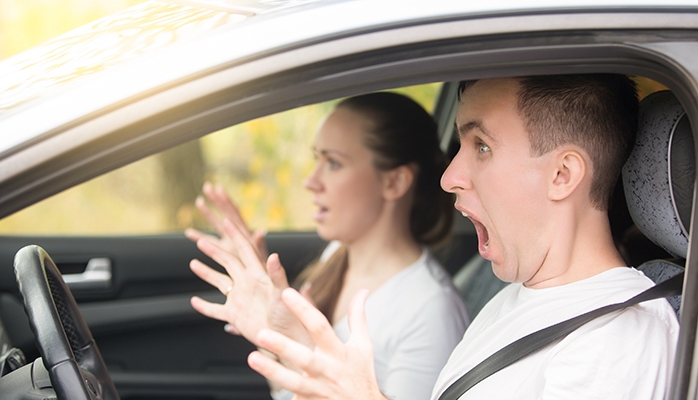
(95, 83)
(212, 34)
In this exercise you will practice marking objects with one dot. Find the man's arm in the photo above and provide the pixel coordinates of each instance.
(332, 370)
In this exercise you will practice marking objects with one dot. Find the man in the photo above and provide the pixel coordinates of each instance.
(539, 158)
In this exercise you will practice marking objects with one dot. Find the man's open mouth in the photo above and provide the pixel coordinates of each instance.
(483, 237)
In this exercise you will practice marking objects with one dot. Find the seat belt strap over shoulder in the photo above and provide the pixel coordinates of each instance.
(535, 341)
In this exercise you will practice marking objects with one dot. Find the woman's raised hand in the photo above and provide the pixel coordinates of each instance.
(252, 288)
(331, 370)
(221, 208)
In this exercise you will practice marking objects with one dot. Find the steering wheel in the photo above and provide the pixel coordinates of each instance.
(69, 352)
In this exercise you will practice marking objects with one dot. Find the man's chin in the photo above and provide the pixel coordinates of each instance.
(500, 271)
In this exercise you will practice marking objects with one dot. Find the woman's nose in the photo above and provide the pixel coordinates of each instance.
(312, 182)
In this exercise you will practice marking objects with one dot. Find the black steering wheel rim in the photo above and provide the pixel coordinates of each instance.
(69, 352)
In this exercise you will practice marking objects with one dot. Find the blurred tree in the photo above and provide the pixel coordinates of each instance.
(181, 181)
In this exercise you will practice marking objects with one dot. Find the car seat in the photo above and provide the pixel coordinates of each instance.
(658, 181)
(477, 284)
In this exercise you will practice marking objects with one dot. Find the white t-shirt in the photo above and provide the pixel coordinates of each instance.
(415, 320)
(623, 355)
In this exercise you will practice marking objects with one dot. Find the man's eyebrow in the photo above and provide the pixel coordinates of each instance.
(467, 127)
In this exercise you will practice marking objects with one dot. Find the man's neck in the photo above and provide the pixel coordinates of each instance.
(583, 249)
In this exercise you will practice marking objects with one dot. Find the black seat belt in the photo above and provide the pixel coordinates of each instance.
(537, 340)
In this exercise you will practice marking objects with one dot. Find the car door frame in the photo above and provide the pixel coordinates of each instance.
(670, 57)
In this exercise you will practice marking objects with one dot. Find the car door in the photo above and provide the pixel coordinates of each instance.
(155, 345)
(117, 240)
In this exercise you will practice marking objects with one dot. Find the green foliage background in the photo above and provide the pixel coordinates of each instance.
(261, 163)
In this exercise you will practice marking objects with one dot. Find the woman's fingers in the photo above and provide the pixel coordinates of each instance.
(319, 328)
(220, 199)
(246, 250)
(221, 202)
(222, 208)
(331, 369)
(228, 328)
(272, 370)
(315, 323)
(258, 240)
(228, 208)
(211, 310)
(305, 292)
(357, 321)
(276, 272)
(194, 235)
(288, 349)
(209, 214)
(220, 281)
(221, 256)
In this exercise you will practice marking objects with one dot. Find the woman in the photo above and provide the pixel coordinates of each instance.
(376, 189)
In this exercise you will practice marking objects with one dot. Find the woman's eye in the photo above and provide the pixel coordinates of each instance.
(482, 148)
(333, 164)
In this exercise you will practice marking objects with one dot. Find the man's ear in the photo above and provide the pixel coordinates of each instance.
(569, 172)
(397, 182)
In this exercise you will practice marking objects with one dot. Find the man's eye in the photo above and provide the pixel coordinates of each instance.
(483, 148)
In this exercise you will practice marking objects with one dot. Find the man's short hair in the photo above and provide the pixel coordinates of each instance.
(597, 112)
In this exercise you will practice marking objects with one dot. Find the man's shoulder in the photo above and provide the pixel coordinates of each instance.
(611, 286)
(532, 309)
(607, 341)
(643, 336)
(656, 319)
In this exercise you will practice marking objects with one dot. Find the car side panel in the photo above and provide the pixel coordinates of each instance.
(154, 344)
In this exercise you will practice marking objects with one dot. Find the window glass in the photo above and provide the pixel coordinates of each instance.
(261, 163)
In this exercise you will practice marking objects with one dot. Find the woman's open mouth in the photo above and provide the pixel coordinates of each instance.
(320, 214)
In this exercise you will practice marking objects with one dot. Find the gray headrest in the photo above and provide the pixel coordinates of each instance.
(658, 177)
(659, 271)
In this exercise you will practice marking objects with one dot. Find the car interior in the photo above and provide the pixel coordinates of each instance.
(133, 291)
(658, 179)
